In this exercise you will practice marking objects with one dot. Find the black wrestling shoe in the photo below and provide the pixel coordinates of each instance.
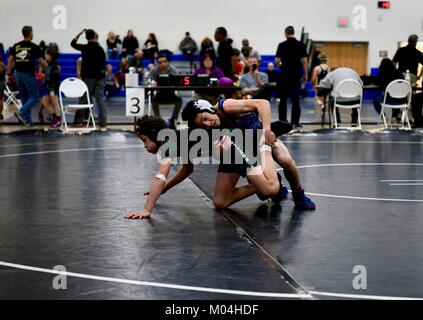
(280, 127)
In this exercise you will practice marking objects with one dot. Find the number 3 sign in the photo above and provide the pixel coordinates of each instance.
(135, 102)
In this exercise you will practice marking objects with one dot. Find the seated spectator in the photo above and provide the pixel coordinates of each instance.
(247, 51)
(207, 66)
(207, 47)
(254, 84)
(238, 65)
(166, 96)
(111, 85)
(188, 47)
(130, 46)
(319, 72)
(113, 43)
(272, 75)
(146, 80)
(330, 82)
(151, 48)
(123, 69)
(138, 63)
(387, 74)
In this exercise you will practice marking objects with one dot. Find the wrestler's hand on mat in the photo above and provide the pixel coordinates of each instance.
(144, 213)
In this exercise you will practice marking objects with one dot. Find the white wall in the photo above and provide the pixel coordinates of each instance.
(261, 21)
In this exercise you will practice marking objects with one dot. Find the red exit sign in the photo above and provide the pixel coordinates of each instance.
(384, 4)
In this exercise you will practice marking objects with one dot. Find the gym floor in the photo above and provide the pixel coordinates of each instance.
(63, 199)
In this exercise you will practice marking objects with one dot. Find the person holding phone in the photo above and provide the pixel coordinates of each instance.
(92, 72)
(255, 84)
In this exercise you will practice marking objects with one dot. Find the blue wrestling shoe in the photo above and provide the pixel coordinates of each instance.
(302, 202)
(281, 195)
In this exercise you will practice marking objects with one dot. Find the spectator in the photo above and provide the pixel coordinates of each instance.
(207, 66)
(122, 71)
(92, 73)
(130, 46)
(207, 47)
(247, 51)
(23, 55)
(272, 75)
(111, 84)
(320, 71)
(43, 46)
(1, 51)
(387, 74)
(254, 84)
(151, 47)
(330, 82)
(188, 47)
(224, 52)
(409, 58)
(291, 58)
(52, 82)
(150, 67)
(113, 43)
(78, 68)
(238, 65)
(138, 63)
(161, 97)
(314, 61)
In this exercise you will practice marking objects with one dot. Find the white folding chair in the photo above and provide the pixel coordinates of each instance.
(347, 90)
(75, 88)
(397, 89)
(12, 104)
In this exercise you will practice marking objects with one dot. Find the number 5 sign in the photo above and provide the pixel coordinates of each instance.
(135, 102)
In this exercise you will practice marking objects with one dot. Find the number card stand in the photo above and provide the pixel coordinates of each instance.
(135, 102)
(135, 96)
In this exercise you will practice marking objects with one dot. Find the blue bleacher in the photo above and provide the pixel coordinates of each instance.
(68, 66)
(68, 62)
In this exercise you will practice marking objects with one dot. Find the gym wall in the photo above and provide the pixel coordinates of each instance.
(260, 21)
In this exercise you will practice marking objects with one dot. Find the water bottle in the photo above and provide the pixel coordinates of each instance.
(407, 76)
